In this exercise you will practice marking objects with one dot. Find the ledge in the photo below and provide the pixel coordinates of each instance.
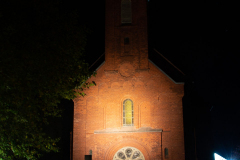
(142, 70)
(111, 71)
(127, 130)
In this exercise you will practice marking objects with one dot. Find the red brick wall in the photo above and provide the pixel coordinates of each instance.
(157, 101)
(157, 104)
(115, 33)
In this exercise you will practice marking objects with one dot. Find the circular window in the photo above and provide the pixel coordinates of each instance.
(128, 153)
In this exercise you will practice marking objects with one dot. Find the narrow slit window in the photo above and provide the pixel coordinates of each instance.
(128, 113)
(166, 152)
(126, 41)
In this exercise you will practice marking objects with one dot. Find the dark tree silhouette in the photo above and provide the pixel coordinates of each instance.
(41, 62)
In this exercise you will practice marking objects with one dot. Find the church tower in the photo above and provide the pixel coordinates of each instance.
(135, 110)
(126, 33)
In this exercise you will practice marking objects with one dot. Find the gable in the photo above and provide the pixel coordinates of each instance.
(158, 62)
(153, 79)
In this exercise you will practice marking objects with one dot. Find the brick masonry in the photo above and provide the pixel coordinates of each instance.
(157, 100)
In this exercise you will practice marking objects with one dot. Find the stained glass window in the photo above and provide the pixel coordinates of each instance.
(129, 153)
(128, 113)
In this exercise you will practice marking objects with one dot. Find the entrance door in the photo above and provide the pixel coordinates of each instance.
(128, 153)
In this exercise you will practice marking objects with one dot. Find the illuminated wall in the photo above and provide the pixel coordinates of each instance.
(134, 105)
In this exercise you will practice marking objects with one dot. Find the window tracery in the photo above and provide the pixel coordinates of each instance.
(128, 153)
(128, 113)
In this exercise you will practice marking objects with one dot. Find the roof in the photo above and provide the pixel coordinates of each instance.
(166, 66)
(158, 60)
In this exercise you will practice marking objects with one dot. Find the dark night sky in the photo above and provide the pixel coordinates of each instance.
(201, 38)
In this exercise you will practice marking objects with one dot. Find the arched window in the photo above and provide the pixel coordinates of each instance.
(126, 11)
(128, 113)
(129, 153)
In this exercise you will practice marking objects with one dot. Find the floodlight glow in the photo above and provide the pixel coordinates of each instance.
(218, 157)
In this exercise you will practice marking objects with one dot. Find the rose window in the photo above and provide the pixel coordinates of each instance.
(128, 153)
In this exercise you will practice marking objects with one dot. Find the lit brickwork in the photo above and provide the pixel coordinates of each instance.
(157, 100)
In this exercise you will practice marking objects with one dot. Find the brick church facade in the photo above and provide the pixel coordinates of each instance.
(135, 110)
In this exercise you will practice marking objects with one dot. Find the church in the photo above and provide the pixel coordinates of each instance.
(135, 110)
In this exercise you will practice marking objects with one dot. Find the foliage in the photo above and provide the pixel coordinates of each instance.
(41, 62)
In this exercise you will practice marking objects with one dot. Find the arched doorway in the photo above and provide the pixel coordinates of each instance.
(128, 153)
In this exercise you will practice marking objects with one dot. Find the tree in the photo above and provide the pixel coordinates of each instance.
(41, 62)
